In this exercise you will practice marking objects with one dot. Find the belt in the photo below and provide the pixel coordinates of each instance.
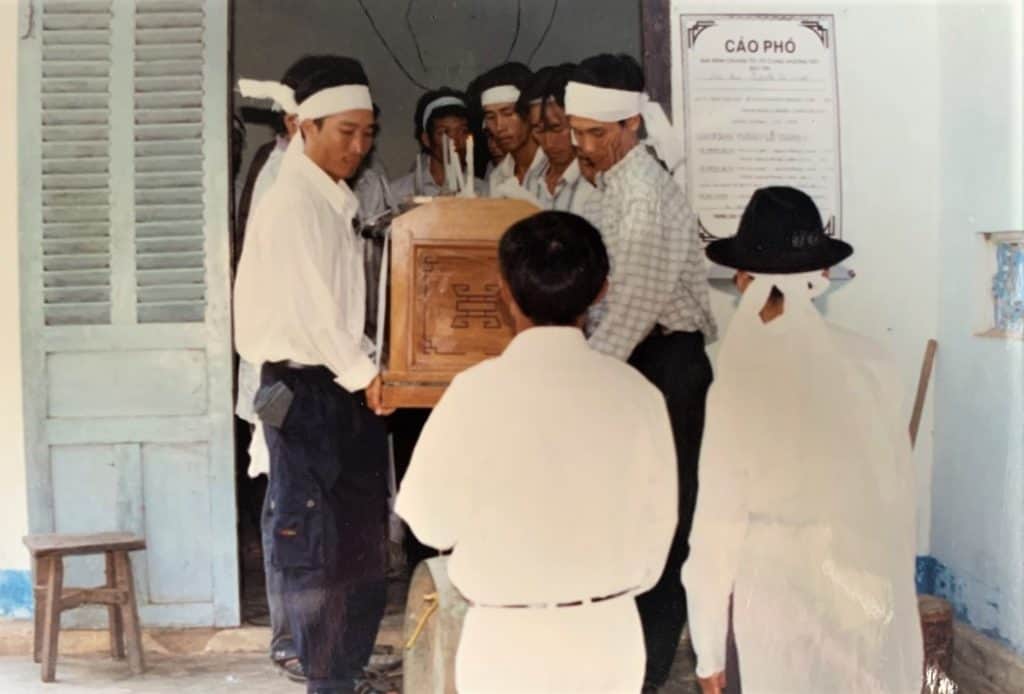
(550, 605)
(298, 366)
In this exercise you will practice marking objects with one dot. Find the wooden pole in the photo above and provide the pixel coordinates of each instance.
(922, 389)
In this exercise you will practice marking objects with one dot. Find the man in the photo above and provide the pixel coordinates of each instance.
(559, 185)
(806, 505)
(263, 172)
(657, 314)
(551, 472)
(440, 113)
(299, 311)
(495, 93)
(370, 187)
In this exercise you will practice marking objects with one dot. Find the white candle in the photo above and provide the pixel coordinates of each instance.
(470, 176)
(446, 160)
(453, 155)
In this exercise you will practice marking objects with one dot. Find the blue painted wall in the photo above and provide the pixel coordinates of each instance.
(15, 593)
(977, 523)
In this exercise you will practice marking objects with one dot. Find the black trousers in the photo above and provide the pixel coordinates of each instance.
(406, 425)
(328, 524)
(678, 365)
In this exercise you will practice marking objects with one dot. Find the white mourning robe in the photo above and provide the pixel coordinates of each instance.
(805, 509)
(300, 294)
(551, 472)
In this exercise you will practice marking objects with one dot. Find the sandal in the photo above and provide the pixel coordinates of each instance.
(290, 668)
(366, 686)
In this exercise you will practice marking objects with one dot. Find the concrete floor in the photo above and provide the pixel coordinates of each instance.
(196, 674)
(245, 673)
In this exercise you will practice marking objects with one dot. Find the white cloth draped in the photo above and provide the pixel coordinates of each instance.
(805, 509)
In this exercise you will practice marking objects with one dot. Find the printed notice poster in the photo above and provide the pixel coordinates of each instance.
(759, 96)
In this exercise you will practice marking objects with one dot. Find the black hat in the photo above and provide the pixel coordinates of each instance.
(780, 233)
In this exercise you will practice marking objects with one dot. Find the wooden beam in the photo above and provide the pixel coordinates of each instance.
(76, 597)
(922, 389)
(656, 40)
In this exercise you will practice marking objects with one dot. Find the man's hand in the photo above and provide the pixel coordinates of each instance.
(375, 398)
(712, 685)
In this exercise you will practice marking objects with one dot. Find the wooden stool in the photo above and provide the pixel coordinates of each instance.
(51, 598)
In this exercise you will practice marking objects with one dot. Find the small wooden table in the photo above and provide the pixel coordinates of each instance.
(118, 594)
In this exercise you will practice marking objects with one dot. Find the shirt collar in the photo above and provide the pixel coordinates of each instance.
(569, 176)
(545, 342)
(341, 197)
(507, 167)
(620, 168)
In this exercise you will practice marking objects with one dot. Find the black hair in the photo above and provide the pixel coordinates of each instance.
(547, 82)
(439, 112)
(515, 74)
(326, 71)
(611, 71)
(555, 265)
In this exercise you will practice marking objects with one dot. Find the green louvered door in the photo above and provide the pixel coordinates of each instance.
(123, 163)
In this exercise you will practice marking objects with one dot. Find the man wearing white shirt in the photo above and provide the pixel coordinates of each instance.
(558, 185)
(551, 472)
(657, 314)
(300, 311)
(440, 114)
(495, 93)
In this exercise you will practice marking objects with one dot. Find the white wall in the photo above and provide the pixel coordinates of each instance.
(13, 509)
(978, 524)
(888, 77)
(459, 40)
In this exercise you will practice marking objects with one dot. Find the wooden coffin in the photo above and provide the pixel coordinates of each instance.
(445, 311)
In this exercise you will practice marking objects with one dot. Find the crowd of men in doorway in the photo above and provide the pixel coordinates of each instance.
(563, 475)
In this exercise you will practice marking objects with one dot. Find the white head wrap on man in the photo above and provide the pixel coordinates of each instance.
(440, 102)
(326, 102)
(500, 94)
(610, 105)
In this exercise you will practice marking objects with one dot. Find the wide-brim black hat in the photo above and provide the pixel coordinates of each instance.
(780, 233)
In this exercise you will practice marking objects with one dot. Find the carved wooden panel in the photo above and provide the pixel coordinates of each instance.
(458, 317)
(445, 310)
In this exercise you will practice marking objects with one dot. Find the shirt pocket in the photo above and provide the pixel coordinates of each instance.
(298, 539)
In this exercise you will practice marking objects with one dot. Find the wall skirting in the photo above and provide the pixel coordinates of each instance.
(935, 578)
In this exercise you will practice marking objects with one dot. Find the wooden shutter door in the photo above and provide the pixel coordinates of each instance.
(123, 125)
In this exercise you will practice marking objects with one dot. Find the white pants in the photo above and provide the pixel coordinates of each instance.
(594, 648)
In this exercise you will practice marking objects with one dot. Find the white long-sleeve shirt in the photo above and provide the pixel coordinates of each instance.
(300, 294)
(551, 470)
(572, 192)
(658, 272)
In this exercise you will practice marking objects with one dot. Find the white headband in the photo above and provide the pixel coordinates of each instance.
(325, 102)
(612, 105)
(502, 94)
(440, 102)
(282, 94)
(602, 103)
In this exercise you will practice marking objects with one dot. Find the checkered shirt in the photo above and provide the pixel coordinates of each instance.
(658, 271)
